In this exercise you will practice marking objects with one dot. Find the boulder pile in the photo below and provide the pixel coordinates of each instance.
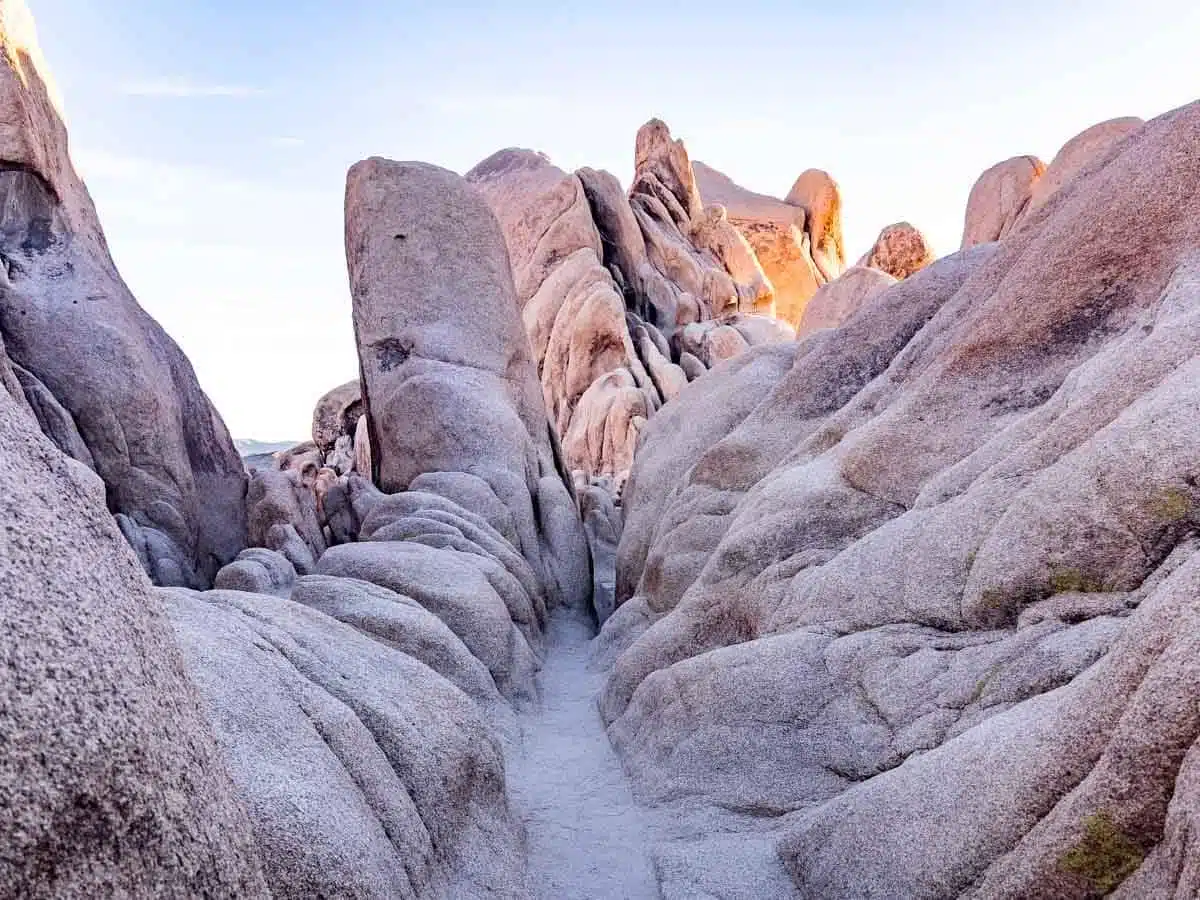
(911, 613)
(895, 566)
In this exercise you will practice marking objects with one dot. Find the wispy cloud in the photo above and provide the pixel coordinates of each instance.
(184, 89)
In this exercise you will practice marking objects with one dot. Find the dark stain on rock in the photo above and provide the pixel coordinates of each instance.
(39, 236)
(392, 353)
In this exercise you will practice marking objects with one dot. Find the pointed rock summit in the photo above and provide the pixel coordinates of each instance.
(608, 281)
(818, 195)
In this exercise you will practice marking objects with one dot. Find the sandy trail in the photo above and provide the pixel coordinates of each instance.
(587, 838)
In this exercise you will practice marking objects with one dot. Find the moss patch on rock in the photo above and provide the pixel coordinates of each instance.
(1105, 856)
(1171, 505)
(1074, 581)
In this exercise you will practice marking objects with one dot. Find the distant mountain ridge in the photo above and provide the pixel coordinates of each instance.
(251, 447)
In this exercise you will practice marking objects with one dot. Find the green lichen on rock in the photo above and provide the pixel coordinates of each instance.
(1105, 855)
(1073, 581)
(982, 683)
(992, 598)
(1171, 505)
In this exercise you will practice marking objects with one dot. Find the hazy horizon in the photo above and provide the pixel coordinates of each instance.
(215, 138)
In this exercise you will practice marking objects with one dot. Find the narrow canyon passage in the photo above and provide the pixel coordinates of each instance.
(587, 839)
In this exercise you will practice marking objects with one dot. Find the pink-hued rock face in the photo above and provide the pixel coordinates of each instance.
(1011, 192)
(934, 571)
(109, 386)
(999, 199)
(818, 195)
(900, 250)
(841, 299)
(658, 155)
(797, 242)
(1078, 153)
(607, 281)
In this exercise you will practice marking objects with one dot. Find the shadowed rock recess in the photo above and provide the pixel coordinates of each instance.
(907, 606)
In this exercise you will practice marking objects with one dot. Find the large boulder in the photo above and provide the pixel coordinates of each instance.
(594, 268)
(777, 233)
(900, 250)
(110, 779)
(456, 588)
(449, 383)
(665, 159)
(999, 198)
(283, 516)
(604, 432)
(916, 609)
(784, 252)
(402, 623)
(1087, 147)
(543, 213)
(716, 234)
(839, 300)
(365, 772)
(572, 309)
(1010, 193)
(699, 265)
(741, 203)
(336, 415)
(258, 570)
(102, 372)
(819, 196)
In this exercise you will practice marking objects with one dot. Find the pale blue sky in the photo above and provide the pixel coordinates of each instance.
(215, 135)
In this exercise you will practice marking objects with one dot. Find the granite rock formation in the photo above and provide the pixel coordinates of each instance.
(608, 283)
(839, 300)
(106, 382)
(779, 234)
(365, 705)
(449, 385)
(110, 780)
(818, 195)
(908, 606)
(366, 773)
(336, 416)
(1012, 191)
(999, 198)
(1077, 154)
(900, 250)
(910, 613)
